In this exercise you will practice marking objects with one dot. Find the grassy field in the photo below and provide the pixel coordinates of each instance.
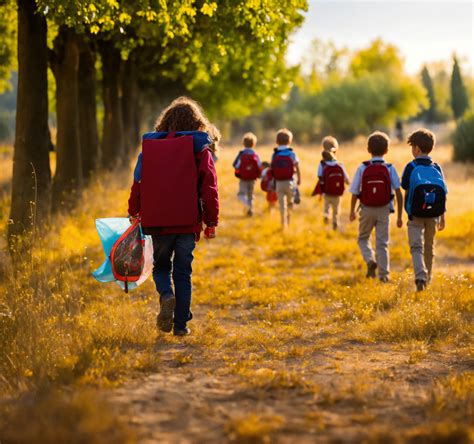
(290, 342)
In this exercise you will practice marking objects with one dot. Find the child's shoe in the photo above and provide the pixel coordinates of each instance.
(326, 220)
(385, 279)
(420, 285)
(164, 320)
(182, 332)
(335, 226)
(371, 268)
(250, 213)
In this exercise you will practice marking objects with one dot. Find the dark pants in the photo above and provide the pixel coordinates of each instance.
(173, 256)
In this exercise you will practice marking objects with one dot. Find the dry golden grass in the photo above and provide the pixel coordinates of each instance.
(286, 324)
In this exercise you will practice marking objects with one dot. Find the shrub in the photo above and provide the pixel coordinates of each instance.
(463, 138)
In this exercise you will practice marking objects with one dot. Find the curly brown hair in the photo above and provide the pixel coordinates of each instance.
(185, 114)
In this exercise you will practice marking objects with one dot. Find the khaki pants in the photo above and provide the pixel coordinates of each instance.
(378, 218)
(245, 193)
(285, 190)
(421, 234)
(332, 202)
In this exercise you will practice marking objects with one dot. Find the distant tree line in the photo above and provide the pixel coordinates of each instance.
(349, 93)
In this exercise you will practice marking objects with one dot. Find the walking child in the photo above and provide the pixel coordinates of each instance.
(248, 169)
(284, 165)
(268, 185)
(332, 177)
(174, 193)
(425, 204)
(374, 183)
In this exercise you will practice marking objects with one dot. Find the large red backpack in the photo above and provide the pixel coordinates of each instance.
(376, 187)
(169, 183)
(333, 177)
(248, 169)
(283, 167)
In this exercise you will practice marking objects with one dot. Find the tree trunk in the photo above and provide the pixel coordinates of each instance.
(31, 183)
(89, 135)
(130, 106)
(67, 183)
(113, 151)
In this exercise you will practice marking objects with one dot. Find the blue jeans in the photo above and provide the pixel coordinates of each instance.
(173, 256)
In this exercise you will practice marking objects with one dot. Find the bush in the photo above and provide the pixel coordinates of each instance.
(463, 138)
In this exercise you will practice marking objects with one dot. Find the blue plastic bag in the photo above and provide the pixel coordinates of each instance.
(110, 230)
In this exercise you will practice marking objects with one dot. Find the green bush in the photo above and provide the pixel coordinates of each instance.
(463, 138)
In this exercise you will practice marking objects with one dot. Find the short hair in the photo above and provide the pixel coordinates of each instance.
(265, 164)
(328, 156)
(249, 140)
(423, 139)
(284, 137)
(330, 142)
(377, 143)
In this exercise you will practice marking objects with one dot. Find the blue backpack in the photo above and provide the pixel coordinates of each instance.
(427, 192)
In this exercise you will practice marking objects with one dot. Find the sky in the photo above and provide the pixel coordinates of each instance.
(424, 31)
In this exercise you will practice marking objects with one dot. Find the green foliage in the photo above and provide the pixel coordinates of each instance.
(378, 57)
(356, 105)
(463, 138)
(7, 44)
(430, 113)
(459, 98)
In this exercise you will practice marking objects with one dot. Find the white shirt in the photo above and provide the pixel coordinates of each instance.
(355, 187)
(332, 163)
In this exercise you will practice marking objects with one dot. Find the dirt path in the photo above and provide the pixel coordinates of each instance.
(346, 393)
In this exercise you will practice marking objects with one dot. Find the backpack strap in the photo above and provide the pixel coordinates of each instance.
(367, 163)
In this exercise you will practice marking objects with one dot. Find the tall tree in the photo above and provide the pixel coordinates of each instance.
(88, 130)
(31, 171)
(459, 97)
(430, 113)
(65, 66)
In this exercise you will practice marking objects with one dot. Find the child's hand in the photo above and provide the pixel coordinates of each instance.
(399, 222)
(352, 216)
(210, 232)
(441, 224)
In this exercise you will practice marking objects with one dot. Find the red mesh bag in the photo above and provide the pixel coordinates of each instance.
(127, 255)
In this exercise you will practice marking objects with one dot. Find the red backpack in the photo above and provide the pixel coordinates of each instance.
(169, 183)
(267, 183)
(333, 177)
(248, 169)
(283, 167)
(376, 187)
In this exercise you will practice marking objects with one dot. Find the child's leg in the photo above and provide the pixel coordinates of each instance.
(182, 270)
(243, 193)
(382, 235)
(416, 228)
(430, 232)
(250, 196)
(366, 225)
(335, 201)
(280, 190)
(163, 247)
(326, 209)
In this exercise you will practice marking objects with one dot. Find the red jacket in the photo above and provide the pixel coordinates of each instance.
(208, 196)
